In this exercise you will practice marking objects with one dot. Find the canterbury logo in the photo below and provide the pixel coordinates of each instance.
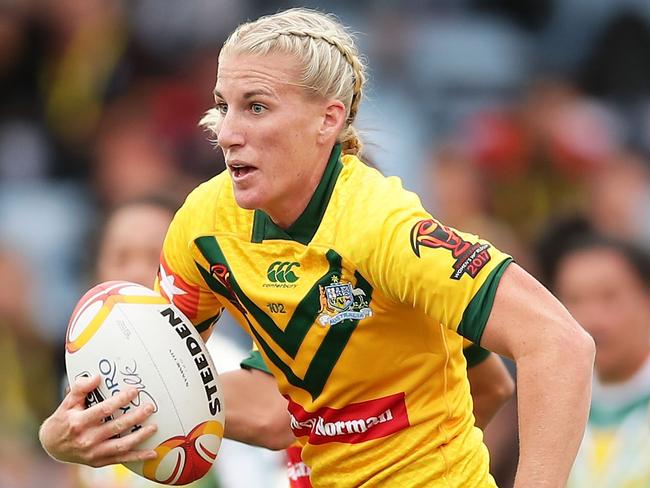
(281, 272)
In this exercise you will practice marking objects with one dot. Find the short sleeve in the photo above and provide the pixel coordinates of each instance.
(450, 275)
(474, 355)
(178, 278)
(254, 361)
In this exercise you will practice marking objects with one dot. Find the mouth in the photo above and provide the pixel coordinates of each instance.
(240, 170)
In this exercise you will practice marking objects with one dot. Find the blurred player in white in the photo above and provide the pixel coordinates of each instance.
(605, 283)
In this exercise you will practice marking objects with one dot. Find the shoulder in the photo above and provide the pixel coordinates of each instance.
(369, 187)
(371, 203)
(211, 207)
(206, 194)
(373, 217)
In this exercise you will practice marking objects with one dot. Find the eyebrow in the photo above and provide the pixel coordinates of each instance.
(248, 94)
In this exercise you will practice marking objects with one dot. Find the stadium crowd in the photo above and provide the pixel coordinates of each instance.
(506, 117)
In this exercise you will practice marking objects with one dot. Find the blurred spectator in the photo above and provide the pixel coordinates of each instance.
(48, 222)
(176, 104)
(131, 239)
(461, 200)
(23, 404)
(573, 28)
(28, 382)
(618, 66)
(131, 160)
(605, 283)
(25, 151)
(168, 30)
(534, 157)
(617, 70)
(86, 47)
(619, 198)
(147, 139)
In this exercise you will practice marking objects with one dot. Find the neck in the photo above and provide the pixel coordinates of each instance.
(286, 211)
(625, 371)
(610, 399)
(284, 216)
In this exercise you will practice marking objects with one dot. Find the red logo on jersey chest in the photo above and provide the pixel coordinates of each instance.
(352, 424)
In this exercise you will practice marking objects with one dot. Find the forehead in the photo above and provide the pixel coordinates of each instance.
(596, 266)
(238, 75)
(148, 219)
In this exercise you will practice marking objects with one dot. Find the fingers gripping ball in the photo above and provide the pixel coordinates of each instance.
(132, 337)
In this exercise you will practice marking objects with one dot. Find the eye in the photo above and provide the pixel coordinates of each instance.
(257, 108)
(222, 108)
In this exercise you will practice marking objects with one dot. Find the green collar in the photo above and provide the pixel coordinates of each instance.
(603, 417)
(304, 228)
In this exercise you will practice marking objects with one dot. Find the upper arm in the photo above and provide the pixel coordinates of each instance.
(526, 317)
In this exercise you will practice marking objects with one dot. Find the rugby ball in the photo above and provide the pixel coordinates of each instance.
(130, 335)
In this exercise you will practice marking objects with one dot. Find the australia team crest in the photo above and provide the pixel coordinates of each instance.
(339, 301)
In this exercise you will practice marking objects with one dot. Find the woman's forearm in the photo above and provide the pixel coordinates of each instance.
(554, 390)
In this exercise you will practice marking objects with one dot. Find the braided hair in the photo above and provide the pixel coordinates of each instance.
(331, 65)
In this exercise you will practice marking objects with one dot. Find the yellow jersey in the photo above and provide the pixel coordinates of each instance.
(297, 471)
(358, 309)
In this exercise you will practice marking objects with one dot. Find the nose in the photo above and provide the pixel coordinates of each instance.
(231, 131)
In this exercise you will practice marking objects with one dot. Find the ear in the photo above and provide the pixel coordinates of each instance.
(332, 121)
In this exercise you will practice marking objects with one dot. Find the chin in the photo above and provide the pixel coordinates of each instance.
(247, 200)
(607, 370)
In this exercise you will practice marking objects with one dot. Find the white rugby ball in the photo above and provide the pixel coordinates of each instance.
(130, 335)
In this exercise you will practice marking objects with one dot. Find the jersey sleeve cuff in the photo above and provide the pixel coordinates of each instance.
(206, 324)
(254, 361)
(477, 312)
(475, 355)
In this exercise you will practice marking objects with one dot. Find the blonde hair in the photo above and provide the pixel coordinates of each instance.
(331, 65)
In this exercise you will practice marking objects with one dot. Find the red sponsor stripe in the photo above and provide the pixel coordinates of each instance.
(354, 423)
(187, 299)
(297, 471)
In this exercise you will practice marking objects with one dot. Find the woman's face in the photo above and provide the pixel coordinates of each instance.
(270, 131)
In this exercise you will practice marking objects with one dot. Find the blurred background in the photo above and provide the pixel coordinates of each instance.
(503, 115)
